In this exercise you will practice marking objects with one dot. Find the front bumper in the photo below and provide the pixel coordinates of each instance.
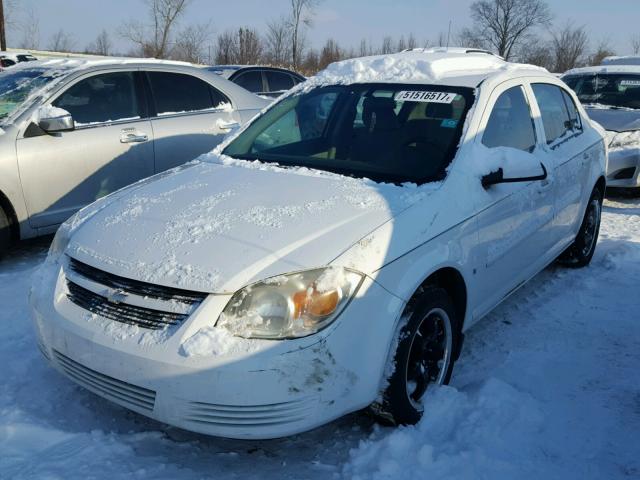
(623, 168)
(258, 389)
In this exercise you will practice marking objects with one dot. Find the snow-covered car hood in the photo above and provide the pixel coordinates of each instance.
(216, 228)
(614, 119)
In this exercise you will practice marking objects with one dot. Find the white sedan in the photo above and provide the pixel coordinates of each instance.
(332, 254)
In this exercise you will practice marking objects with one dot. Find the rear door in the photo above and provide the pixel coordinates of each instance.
(189, 117)
(562, 127)
(111, 147)
(250, 79)
(515, 219)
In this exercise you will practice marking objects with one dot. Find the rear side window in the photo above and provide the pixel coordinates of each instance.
(510, 124)
(251, 80)
(279, 81)
(553, 108)
(101, 98)
(180, 93)
(574, 116)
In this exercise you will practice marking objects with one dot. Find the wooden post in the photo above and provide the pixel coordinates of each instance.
(3, 36)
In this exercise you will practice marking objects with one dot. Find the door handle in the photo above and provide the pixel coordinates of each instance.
(226, 126)
(133, 137)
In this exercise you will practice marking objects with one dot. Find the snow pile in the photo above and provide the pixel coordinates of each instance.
(489, 430)
(218, 341)
(413, 66)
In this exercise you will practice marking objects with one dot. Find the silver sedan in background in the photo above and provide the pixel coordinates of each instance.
(73, 131)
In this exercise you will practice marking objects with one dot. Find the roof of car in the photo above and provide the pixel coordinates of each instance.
(622, 60)
(440, 66)
(612, 68)
(86, 63)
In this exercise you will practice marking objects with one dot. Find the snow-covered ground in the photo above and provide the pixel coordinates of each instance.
(548, 386)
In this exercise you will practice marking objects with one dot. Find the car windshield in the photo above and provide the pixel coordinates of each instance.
(619, 90)
(388, 133)
(17, 85)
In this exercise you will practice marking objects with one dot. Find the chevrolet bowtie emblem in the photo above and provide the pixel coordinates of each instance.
(115, 295)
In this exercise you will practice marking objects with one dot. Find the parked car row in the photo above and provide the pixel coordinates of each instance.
(328, 257)
(611, 96)
(76, 130)
(264, 81)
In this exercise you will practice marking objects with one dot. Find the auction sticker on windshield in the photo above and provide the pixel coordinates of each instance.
(630, 83)
(424, 96)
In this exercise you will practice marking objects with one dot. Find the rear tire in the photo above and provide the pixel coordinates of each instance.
(581, 251)
(424, 357)
(5, 232)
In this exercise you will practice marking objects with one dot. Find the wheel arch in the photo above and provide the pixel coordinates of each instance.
(452, 281)
(601, 183)
(8, 209)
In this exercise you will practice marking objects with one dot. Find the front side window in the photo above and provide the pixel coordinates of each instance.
(553, 109)
(391, 133)
(180, 93)
(609, 89)
(108, 97)
(510, 123)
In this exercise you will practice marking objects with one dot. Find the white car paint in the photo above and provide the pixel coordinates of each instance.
(217, 225)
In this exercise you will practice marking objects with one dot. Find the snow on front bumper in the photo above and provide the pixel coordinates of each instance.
(251, 389)
(623, 168)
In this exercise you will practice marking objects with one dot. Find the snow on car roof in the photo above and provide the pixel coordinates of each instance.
(611, 68)
(459, 67)
(622, 60)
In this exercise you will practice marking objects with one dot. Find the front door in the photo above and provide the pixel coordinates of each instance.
(111, 147)
(515, 219)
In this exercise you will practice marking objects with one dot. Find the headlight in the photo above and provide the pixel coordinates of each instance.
(290, 306)
(60, 241)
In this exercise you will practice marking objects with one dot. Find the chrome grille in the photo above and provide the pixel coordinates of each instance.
(121, 312)
(128, 301)
(122, 393)
(135, 287)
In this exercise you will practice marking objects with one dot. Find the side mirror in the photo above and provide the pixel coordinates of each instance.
(53, 120)
(497, 176)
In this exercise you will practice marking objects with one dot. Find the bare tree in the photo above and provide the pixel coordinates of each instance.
(30, 27)
(331, 52)
(387, 45)
(301, 16)
(249, 46)
(635, 44)
(277, 42)
(102, 45)
(538, 52)
(226, 48)
(402, 45)
(365, 48)
(191, 43)
(503, 25)
(569, 47)
(61, 41)
(412, 42)
(154, 40)
(602, 51)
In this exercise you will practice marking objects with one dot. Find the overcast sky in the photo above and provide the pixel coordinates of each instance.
(348, 21)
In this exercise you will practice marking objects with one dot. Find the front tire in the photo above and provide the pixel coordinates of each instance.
(581, 251)
(424, 357)
(5, 232)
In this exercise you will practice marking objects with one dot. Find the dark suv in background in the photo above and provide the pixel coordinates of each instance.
(266, 81)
